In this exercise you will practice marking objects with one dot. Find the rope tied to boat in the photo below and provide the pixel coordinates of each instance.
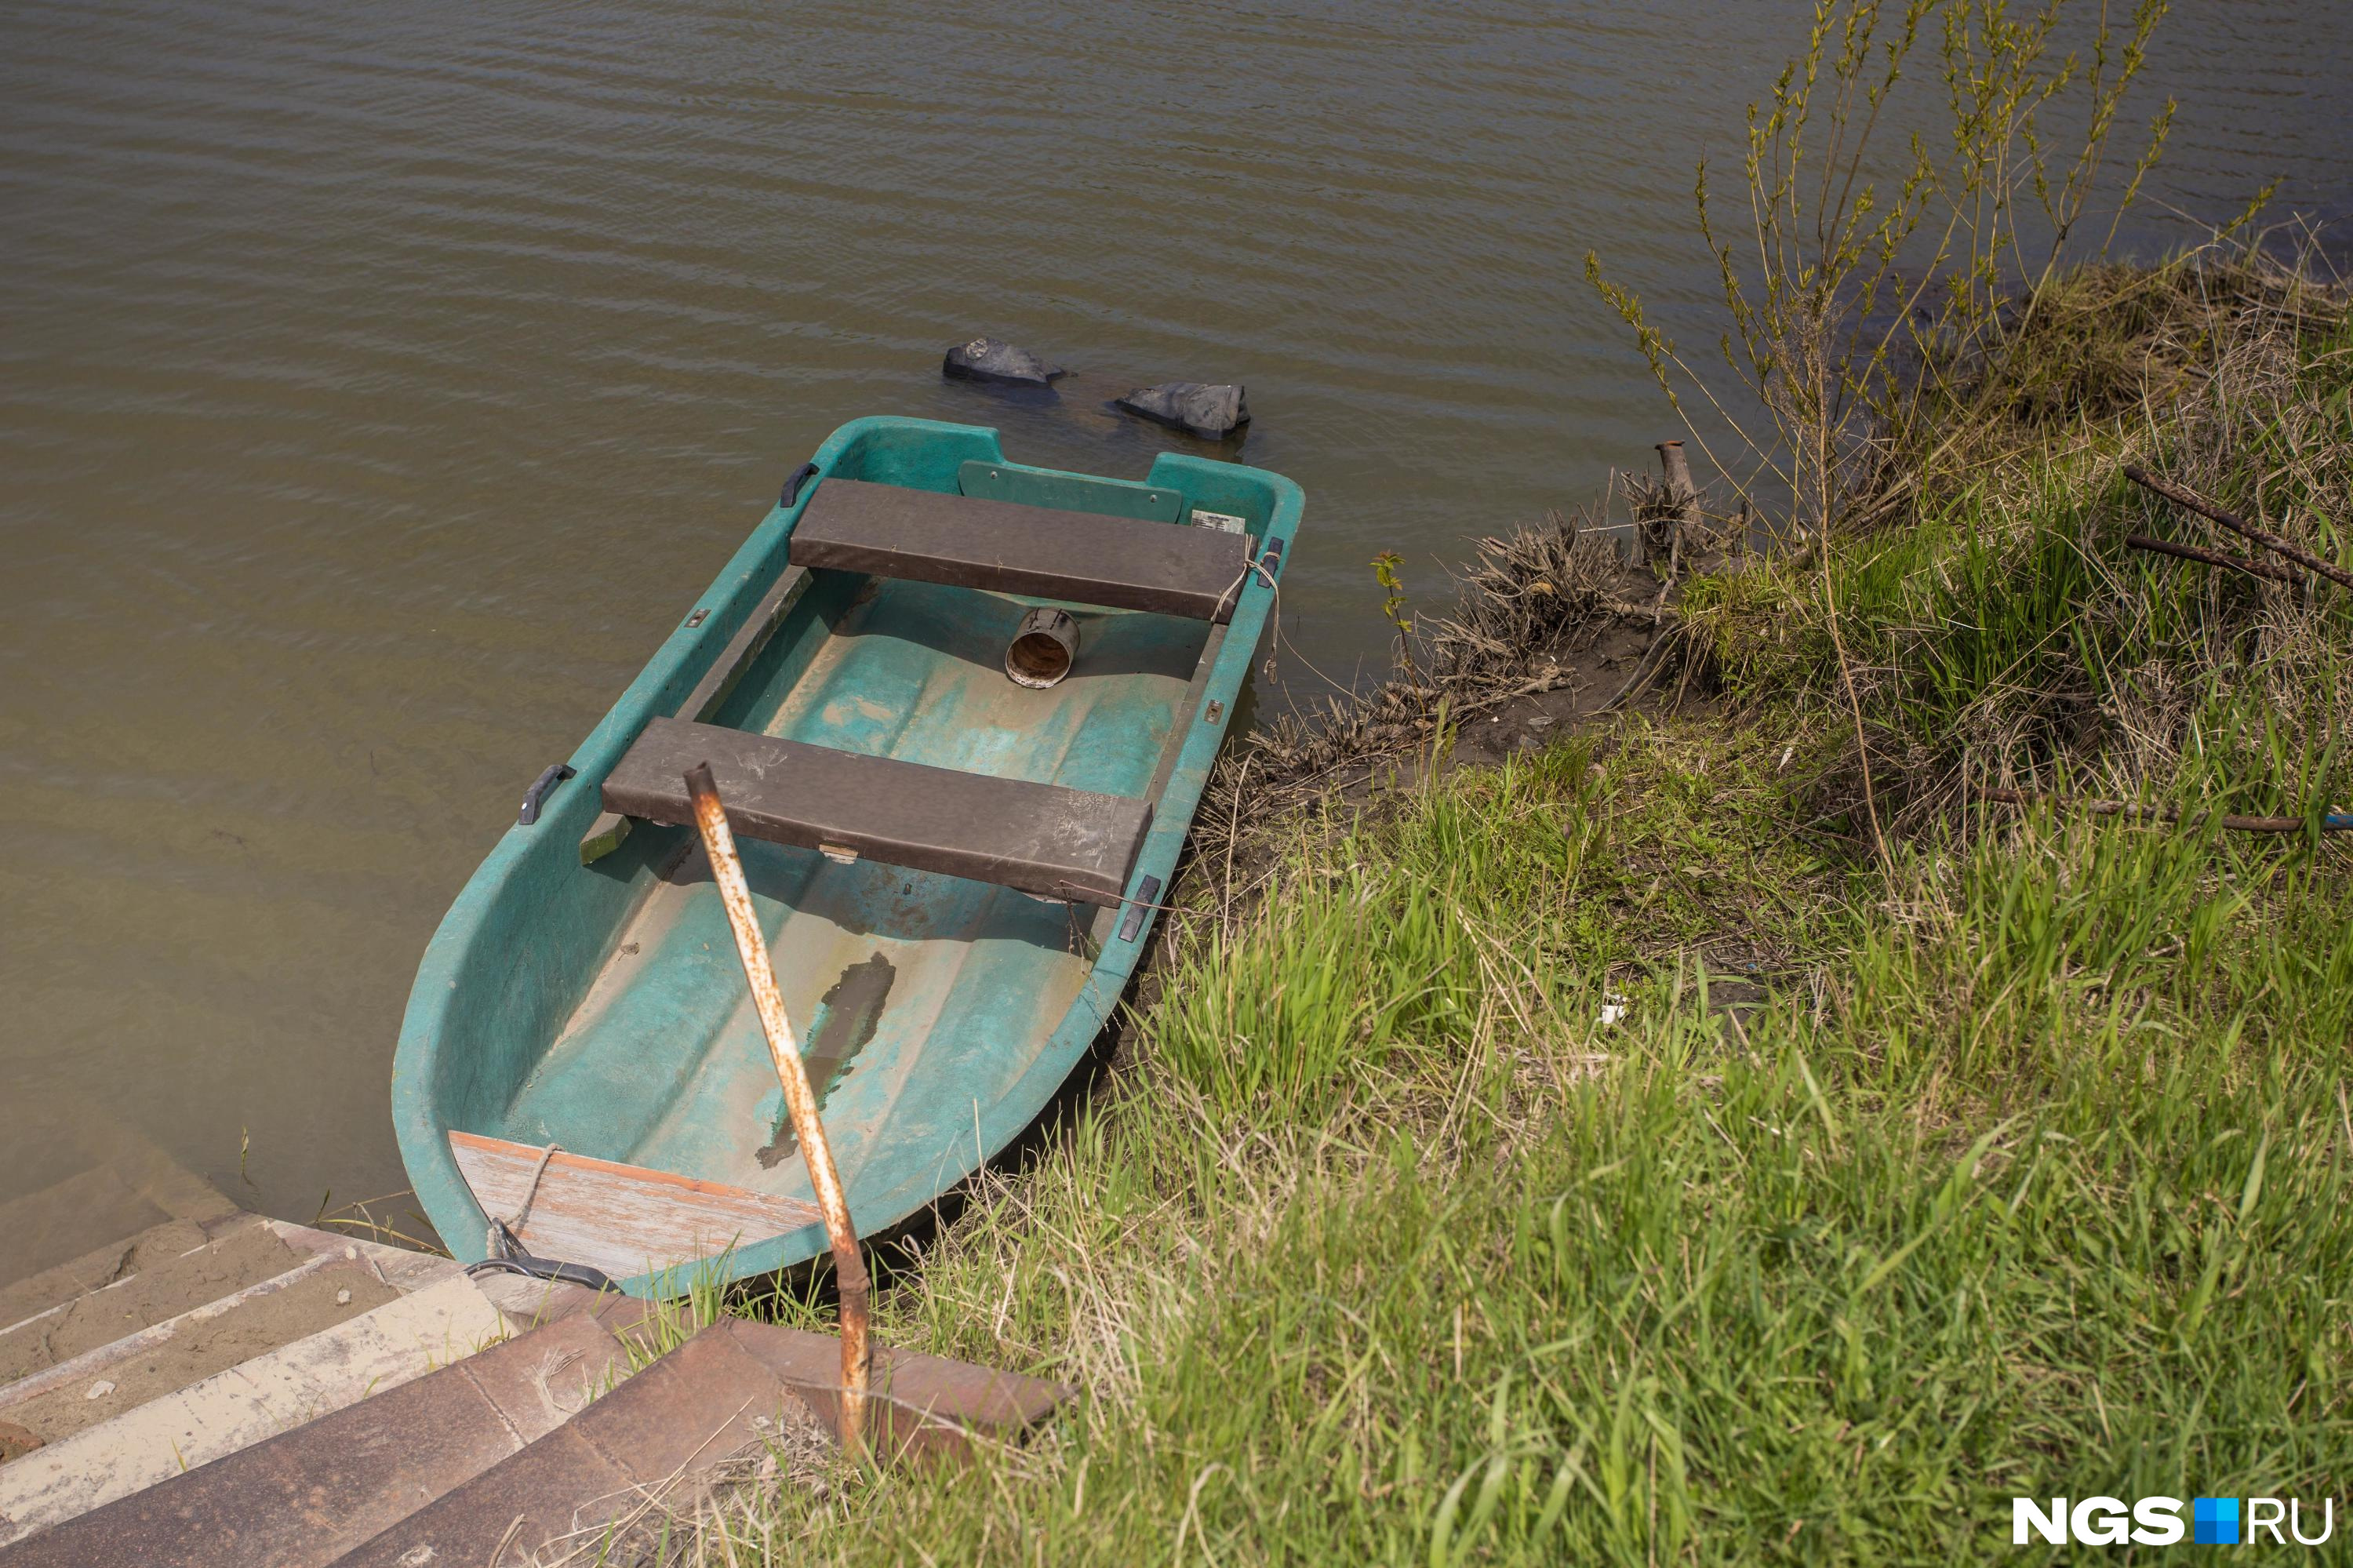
(1232, 596)
(1275, 615)
(506, 1235)
(507, 1254)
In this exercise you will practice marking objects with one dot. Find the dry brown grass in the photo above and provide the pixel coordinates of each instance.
(1542, 607)
(2001, 633)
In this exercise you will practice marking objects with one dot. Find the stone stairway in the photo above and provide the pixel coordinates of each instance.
(199, 1336)
(657, 1439)
(215, 1388)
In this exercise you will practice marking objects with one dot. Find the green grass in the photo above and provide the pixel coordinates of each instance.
(2012, 637)
(2032, 1179)
(2029, 1174)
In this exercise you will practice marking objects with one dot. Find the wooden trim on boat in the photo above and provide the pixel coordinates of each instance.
(1188, 709)
(718, 683)
(624, 1219)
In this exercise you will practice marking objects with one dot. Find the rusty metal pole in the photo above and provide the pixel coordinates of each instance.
(848, 1263)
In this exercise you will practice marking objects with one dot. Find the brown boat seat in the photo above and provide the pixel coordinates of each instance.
(967, 541)
(1044, 839)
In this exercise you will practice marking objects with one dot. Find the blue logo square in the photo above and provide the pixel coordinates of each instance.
(2214, 1522)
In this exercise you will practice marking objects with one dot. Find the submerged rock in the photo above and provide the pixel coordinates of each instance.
(993, 359)
(1215, 411)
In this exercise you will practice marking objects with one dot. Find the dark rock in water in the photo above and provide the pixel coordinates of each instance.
(991, 359)
(1215, 411)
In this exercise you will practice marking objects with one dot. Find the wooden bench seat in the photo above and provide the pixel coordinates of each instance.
(1044, 839)
(966, 541)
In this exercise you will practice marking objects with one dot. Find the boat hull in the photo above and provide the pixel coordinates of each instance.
(601, 1007)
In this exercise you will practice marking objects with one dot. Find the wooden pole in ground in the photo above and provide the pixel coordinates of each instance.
(848, 1263)
(1681, 490)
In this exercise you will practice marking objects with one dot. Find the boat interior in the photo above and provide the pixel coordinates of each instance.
(937, 854)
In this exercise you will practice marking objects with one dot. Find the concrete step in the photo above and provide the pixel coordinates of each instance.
(111, 1264)
(920, 1405)
(312, 1288)
(156, 1288)
(651, 1445)
(252, 1377)
(657, 1436)
(302, 1498)
(67, 1218)
(136, 1191)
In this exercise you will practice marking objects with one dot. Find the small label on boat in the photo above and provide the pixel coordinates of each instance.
(1223, 522)
(836, 853)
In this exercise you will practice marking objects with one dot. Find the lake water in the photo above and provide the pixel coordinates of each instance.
(378, 386)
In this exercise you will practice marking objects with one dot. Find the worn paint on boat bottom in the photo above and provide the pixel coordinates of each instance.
(845, 1021)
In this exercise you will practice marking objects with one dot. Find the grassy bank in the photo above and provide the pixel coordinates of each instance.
(1854, 1077)
(1609, 1157)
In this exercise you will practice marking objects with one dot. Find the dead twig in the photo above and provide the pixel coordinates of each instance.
(2264, 569)
(1645, 669)
(2183, 496)
(2331, 822)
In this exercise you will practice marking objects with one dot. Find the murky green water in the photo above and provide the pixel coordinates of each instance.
(378, 384)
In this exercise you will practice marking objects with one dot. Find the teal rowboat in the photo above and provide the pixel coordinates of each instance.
(956, 871)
